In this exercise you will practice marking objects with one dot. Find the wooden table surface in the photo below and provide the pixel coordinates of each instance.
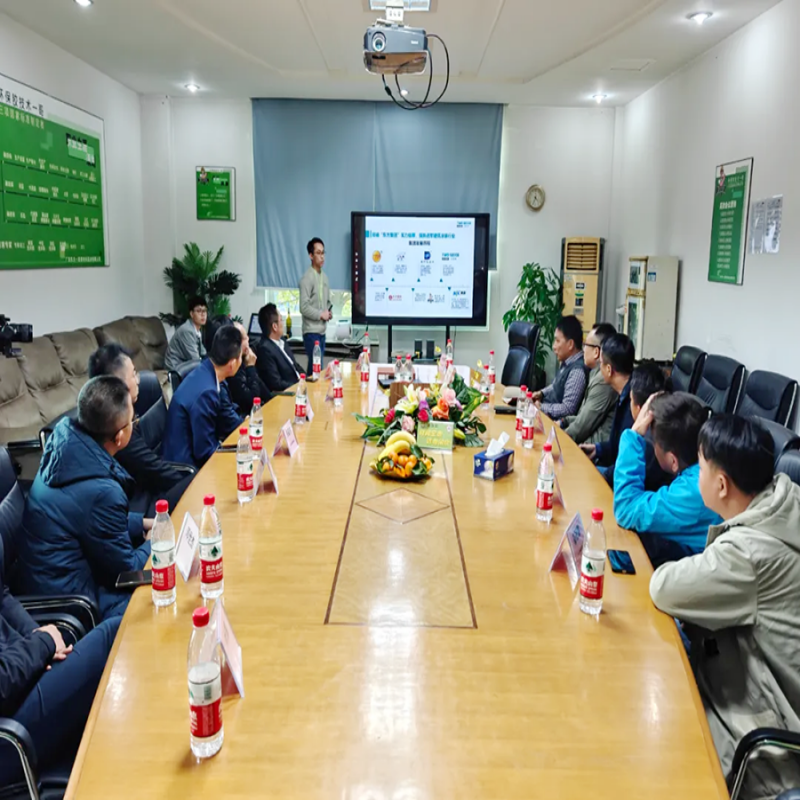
(403, 642)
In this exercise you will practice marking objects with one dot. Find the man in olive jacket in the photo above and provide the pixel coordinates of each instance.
(740, 599)
(592, 423)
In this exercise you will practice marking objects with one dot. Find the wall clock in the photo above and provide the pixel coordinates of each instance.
(535, 197)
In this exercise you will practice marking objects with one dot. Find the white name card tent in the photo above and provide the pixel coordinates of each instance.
(186, 558)
(287, 441)
(569, 558)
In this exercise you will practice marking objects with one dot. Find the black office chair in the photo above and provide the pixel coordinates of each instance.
(687, 368)
(783, 438)
(720, 384)
(149, 392)
(520, 366)
(771, 396)
(74, 616)
(789, 464)
(176, 376)
(751, 744)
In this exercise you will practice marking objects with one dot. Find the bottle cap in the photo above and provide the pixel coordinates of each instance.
(491, 352)
(449, 341)
(209, 500)
(302, 376)
(242, 431)
(162, 507)
(530, 395)
(336, 362)
(317, 341)
(257, 400)
(523, 389)
(597, 514)
(200, 617)
(548, 448)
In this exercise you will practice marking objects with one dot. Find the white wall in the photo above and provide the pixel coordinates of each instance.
(568, 151)
(63, 299)
(737, 101)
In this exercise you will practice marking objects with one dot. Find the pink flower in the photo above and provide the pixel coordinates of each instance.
(408, 424)
(449, 396)
(423, 416)
(389, 417)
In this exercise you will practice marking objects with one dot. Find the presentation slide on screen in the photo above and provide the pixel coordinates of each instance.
(419, 267)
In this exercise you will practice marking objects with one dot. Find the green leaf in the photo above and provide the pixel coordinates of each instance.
(473, 440)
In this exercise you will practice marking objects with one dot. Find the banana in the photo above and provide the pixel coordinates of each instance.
(401, 436)
(399, 448)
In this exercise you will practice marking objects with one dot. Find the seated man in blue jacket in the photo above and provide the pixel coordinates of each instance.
(201, 412)
(45, 685)
(79, 535)
(673, 522)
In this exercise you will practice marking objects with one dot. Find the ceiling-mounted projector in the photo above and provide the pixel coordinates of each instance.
(395, 49)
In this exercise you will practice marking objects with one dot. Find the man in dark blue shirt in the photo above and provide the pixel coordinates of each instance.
(201, 412)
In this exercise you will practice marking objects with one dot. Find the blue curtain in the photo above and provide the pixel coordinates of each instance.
(318, 160)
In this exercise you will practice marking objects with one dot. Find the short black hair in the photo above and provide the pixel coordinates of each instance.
(570, 328)
(313, 243)
(647, 379)
(603, 330)
(619, 353)
(196, 301)
(108, 359)
(742, 449)
(677, 420)
(212, 326)
(268, 315)
(103, 407)
(227, 345)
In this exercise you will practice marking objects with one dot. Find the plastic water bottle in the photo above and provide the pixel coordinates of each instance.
(523, 398)
(364, 365)
(301, 402)
(205, 688)
(162, 544)
(338, 390)
(485, 385)
(257, 426)
(545, 485)
(528, 419)
(593, 565)
(316, 360)
(245, 467)
(211, 582)
(492, 372)
(398, 369)
(449, 352)
(409, 369)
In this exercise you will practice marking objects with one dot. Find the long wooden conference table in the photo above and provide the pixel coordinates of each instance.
(403, 642)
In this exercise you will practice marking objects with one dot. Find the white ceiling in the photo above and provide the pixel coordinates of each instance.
(544, 52)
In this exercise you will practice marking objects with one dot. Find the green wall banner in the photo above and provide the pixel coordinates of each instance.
(52, 198)
(729, 222)
(216, 193)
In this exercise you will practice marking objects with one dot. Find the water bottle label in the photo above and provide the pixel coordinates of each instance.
(365, 376)
(300, 410)
(527, 431)
(317, 366)
(257, 437)
(205, 711)
(164, 570)
(245, 477)
(492, 376)
(338, 392)
(519, 422)
(592, 575)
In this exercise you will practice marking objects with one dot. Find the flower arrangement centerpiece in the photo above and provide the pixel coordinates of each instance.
(450, 400)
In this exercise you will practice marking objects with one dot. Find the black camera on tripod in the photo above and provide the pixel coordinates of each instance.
(13, 333)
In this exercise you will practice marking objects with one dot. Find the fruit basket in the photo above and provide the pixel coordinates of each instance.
(402, 459)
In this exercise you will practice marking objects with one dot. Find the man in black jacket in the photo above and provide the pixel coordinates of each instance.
(45, 685)
(275, 364)
(155, 478)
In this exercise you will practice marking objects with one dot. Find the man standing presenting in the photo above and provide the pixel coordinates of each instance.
(315, 301)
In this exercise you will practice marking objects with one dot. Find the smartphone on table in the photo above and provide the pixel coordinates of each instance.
(621, 562)
(132, 580)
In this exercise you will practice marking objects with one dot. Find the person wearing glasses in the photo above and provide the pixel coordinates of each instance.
(315, 301)
(79, 531)
(155, 478)
(186, 345)
(593, 421)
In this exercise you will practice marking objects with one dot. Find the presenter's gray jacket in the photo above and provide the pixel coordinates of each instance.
(312, 303)
(185, 347)
(743, 594)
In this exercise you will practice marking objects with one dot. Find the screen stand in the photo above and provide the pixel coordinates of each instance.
(389, 340)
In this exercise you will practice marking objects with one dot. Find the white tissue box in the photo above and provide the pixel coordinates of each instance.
(493, 467)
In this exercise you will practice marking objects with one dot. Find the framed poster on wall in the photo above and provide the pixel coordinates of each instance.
(52, 182)
(216, 193)
(729, 222)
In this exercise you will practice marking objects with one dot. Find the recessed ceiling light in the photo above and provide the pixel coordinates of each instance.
(193, 88)
(84, 3)
(598, 98)
(410, 5)
(404, 92)
(699, 16)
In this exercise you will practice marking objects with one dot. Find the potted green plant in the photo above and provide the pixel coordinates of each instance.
(196, 274)
(538, 300)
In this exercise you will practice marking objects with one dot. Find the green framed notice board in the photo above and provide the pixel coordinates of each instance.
(216, 193)
(52, 198)
(729, 221)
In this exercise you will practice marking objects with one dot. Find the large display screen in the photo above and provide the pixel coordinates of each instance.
(419, 269)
